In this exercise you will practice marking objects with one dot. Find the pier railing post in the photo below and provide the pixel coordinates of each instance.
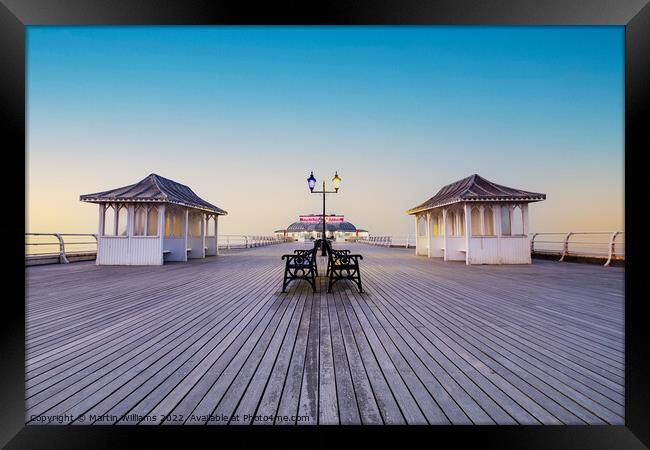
(612, 250)
(565, 247)
(62, 258)
(407, 241)
(532, 243)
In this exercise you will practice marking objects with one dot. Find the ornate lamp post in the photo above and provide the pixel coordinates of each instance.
(336, 182)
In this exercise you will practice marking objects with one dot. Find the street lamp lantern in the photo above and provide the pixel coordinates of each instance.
(311, 181)
(336, 181)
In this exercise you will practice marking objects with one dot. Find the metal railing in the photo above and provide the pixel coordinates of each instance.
(228, 241)
(608, 245)
(400, 240)
(46, 247)
(59, 245)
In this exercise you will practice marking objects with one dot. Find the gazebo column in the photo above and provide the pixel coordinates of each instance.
(100, 231)
(497, 228)
(146, 219)
(204, 225)
(116, 211)
(130, 231)
(102, 219)
(417, 235)
(184, 232)
(130, 220)
(468, 232)
(216, 234)
(161, 230)
(196, 237)
(511, 215)
(204, 229)
(524, 220)
(211, 240)
(524, 217)
(445, 229)
(429, 234)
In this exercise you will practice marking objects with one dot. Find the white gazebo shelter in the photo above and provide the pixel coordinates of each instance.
(476, 221)
(153, 221)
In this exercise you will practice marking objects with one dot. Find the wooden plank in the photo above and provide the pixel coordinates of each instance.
(369, 409)
(199, 372)
(328, 410)
(90, 358)
(157, 366)
(308, 405)
(289, 401)
(233, 377)
(269, 404)
(388, 402)
(248, 405)
(436, 392)
(404, 382)
(483, 325)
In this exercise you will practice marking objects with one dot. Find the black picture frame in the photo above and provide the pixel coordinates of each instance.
(15, 15)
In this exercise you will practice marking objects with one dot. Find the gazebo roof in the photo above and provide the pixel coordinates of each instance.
(475, 188)
(154, 188)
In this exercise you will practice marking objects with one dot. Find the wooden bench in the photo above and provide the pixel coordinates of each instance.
(301, 265)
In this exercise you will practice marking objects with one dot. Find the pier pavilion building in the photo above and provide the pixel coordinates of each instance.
(310, 226)
(152, 221)
(477, 221)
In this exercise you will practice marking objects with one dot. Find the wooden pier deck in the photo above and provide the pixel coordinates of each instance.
(214, 341)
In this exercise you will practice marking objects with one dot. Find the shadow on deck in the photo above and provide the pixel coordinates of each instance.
(215, 341)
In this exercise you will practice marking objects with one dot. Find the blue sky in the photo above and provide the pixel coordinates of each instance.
(242, 114)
